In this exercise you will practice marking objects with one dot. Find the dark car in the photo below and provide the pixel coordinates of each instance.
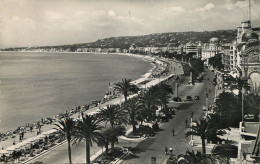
(165, 119)
(225, 150)
(177, 99)
(197, 97)
(189, 98)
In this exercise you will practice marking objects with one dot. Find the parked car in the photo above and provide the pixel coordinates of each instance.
(225, 150)
(204, 108)
(177, 99)
(197, 97)
(165, 119)
(189, 98)
(191, 83)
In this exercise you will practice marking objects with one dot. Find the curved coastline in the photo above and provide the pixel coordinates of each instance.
(48, 129)
(137, 81)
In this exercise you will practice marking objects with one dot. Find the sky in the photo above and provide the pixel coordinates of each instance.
(58, 22)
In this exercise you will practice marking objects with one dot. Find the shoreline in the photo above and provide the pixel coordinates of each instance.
(137, 81)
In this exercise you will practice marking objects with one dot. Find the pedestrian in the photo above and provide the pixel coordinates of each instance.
(170, 150)
(166, 150)
(186, 123)
(14, 142)
(173, 132)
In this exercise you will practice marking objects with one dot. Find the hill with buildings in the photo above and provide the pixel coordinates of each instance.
(152, 40)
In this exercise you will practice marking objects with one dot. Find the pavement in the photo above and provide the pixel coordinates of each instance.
(154, 146)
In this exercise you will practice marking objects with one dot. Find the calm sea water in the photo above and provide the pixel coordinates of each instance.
(38, 85)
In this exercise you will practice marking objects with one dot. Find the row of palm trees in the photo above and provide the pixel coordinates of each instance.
(140, 108)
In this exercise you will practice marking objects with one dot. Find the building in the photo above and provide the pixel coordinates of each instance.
(211, 49)
(226, 55)
(246, 55)
(192, 48)
(249, 137)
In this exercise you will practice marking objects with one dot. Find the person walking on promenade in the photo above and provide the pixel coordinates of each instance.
(170, 150)
(186, 122)
(166, 150)
(31, 128)
(173, 132)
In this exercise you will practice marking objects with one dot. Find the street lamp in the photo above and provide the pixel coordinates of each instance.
(191, 137)
(245, 64)
(207, 103)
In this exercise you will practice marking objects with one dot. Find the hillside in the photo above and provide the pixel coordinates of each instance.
(156, 40)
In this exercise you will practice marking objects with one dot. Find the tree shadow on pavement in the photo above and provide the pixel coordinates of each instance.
(141, 147)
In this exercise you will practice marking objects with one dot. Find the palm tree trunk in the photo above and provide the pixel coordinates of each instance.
(69, 151)
(112, 146)
(125, 98)
(134, 127)
(106, 148)
(87, 153)
(203, 145)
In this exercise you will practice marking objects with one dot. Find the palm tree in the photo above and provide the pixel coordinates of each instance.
(241, 83)
(133, 107)
(149, 101)
(114, 115)
(216, 127)
(199, 130)
(163, 94)
(126, 87)
(67, 126)
(190, 157)
(88, 129)
(104, 140)
(252, 105)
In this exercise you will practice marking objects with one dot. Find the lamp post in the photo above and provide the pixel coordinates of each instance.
(245, 64)
(176, 89)
(191, 137)
(207, 103)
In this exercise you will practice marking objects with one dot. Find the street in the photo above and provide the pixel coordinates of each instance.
(154, 146)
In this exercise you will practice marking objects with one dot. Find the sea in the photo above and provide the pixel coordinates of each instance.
(35, 85)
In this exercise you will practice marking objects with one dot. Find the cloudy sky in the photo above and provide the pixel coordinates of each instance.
(56, 22)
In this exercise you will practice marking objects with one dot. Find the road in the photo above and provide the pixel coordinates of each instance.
(154, 146)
